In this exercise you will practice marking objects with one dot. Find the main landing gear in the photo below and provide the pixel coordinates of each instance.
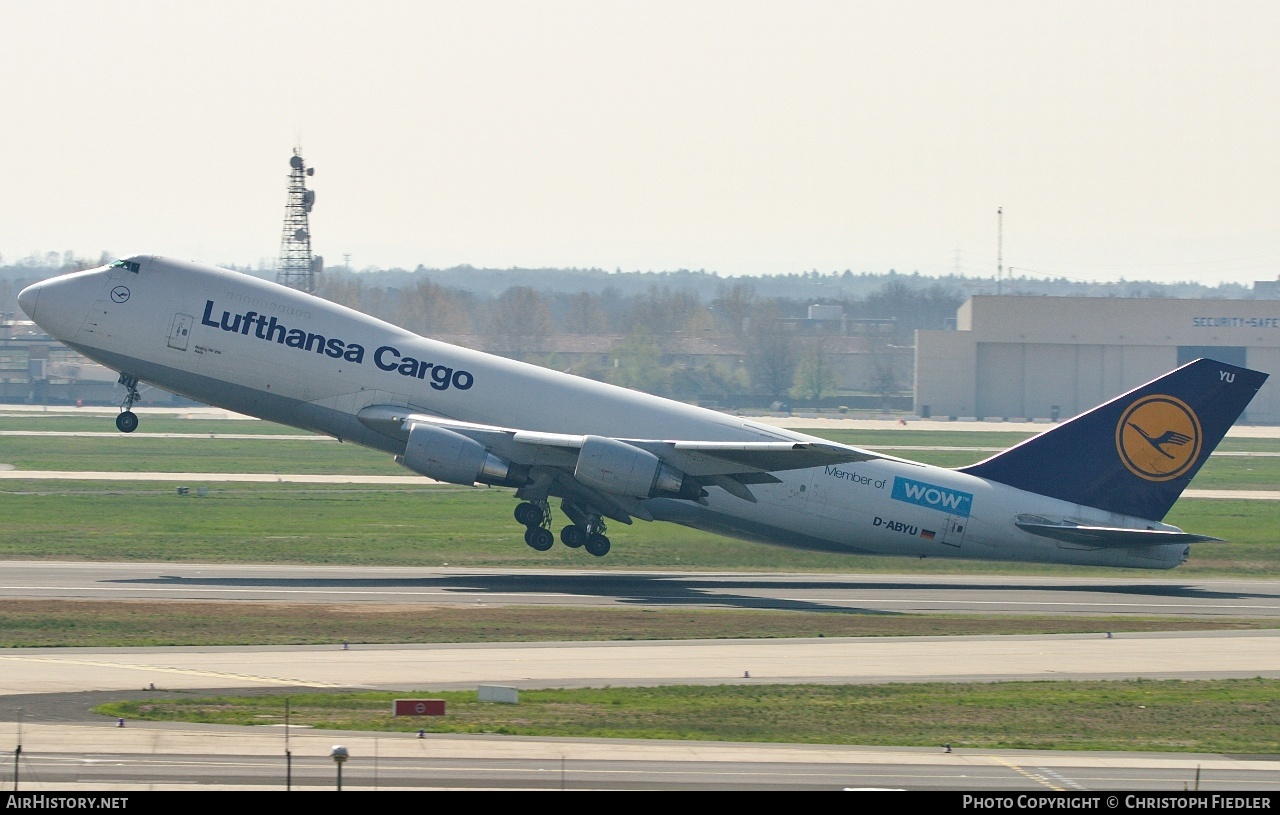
(591, 536)
(536, 516)
(127, 421)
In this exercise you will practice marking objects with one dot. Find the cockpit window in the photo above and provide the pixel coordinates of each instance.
(127, 264)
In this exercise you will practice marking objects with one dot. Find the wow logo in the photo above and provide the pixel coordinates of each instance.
(1158, 438)
(932, 496)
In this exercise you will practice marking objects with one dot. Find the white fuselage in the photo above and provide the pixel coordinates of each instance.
(251, 346)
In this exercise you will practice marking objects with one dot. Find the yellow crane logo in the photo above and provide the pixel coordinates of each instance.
(1158, 438)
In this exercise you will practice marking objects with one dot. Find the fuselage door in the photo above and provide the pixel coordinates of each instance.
(953, 532)
(180, 331)
(799, 485)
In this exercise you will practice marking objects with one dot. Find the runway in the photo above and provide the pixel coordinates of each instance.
(198, 758)
(62, 750)
(830, 660)
(64, 747)
(579, 589)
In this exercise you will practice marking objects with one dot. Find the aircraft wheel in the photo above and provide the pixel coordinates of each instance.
(539, 539)
(598, 545)
(573, 536)
(127, 422)
(528, 514)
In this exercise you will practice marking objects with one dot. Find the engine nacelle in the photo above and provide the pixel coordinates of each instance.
(448, 456)
(617, 467)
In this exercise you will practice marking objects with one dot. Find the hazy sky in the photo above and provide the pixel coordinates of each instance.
(1123, 139)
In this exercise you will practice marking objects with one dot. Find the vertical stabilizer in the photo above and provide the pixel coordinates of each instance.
(1135, 454)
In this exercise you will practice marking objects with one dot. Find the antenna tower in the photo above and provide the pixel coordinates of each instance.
(999, 247)
(298, 269)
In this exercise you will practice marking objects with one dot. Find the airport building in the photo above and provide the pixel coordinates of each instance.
(36, 369)
(1049, 358)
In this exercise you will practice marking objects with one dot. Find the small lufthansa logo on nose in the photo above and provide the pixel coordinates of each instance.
(119, 294)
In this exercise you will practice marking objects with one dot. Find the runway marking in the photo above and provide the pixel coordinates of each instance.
(117, 435)
(1039, 779)
(284, 478)
(1067, 781)
(1037, 603)
(947, 448)
(272, 680)
(376, 593)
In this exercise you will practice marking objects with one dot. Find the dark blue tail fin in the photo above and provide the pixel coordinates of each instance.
(1137, 453)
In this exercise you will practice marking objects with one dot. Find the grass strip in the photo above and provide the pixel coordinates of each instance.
(473, 527)
(104, 422)
(160, 454)
(1239, 716)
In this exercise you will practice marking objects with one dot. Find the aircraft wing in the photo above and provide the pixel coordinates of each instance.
(699, 458)
(730, 465)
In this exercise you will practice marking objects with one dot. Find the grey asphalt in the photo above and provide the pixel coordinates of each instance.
(66, 748)
(1164, 594)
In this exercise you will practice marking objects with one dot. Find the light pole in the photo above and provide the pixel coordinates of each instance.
(339, 755)
(288, 756)
(17, 753)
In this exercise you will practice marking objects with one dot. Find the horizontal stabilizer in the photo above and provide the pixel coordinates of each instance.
(1108, 536)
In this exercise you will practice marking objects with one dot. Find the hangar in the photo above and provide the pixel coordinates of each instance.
(1050, 358)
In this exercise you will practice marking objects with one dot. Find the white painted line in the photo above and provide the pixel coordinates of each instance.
(86, 434)
(286, 478)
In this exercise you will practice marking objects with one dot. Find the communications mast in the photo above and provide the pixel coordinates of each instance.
(298, 269)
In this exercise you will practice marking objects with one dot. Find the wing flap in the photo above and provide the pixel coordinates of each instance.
(732, 486)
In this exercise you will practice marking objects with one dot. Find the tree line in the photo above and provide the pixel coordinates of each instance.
(778, 357)
(640, 319)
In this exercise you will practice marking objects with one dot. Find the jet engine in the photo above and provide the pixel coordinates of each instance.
(448, 456)
(616, 467)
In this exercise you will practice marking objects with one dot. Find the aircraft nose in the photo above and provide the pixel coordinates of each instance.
(27, 299)
(60, 305)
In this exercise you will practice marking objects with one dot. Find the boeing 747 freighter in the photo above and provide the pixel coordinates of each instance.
(1090, 491)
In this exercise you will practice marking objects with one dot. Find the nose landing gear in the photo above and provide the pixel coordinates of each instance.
(127, 421)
